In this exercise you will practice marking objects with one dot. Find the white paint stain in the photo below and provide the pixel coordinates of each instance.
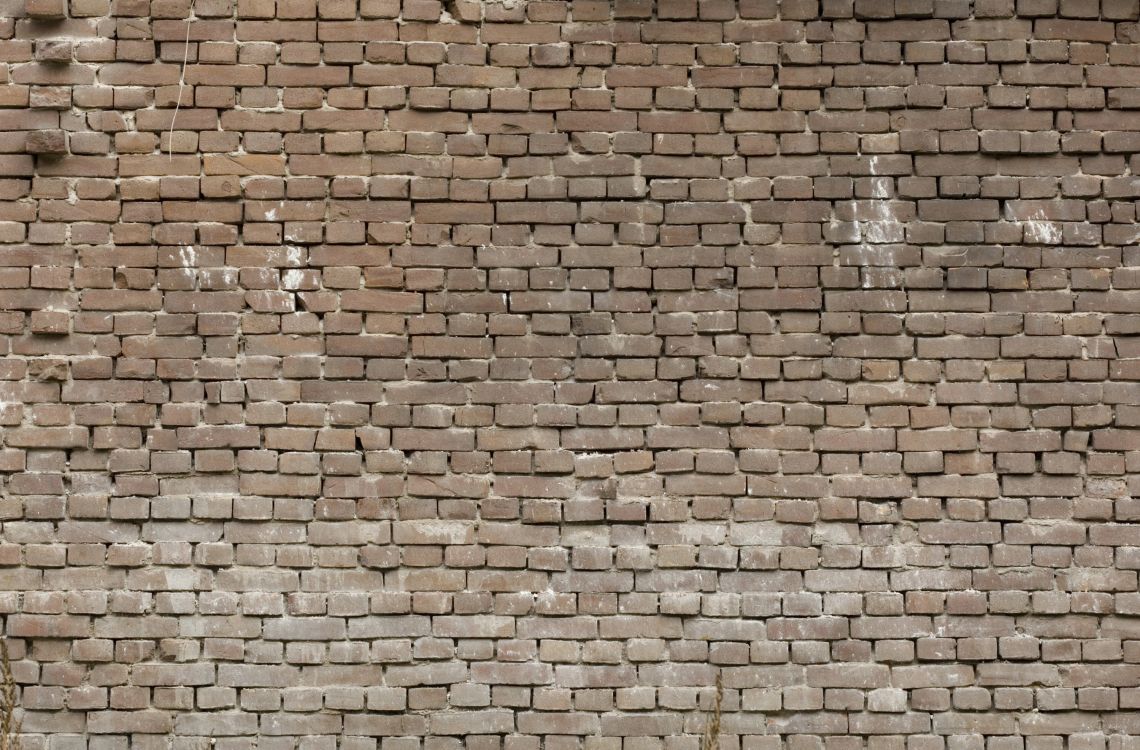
(187, 255)
(878, 187)
(271, 214)
(294, 255)
(878, 227)
(881, 227)
(292, 278)
(1040, 231)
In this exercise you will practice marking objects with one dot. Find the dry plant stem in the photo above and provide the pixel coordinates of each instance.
(181, 84)
(9, 725)
(711, 738)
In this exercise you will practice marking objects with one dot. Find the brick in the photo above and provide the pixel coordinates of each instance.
(498, 374)
(134, 722)
(46, 142)
(847, 675)
(45, 9)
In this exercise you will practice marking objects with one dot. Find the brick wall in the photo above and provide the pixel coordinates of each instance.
(494, 375)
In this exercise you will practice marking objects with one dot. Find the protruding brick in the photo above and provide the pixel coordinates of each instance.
(48, 10)
(46, 142)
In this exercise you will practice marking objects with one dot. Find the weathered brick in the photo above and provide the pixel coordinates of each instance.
(444, 372)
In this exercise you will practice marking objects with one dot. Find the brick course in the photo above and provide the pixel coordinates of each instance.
(389, 374)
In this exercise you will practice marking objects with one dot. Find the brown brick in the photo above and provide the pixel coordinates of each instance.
(440, 372)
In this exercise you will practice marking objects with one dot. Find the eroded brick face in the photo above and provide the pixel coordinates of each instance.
(403, 376)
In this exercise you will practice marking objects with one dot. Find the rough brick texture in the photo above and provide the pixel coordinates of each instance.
(404, 376)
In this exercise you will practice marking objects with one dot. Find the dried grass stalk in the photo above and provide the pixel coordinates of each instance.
(9, 724)
(711, 738)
